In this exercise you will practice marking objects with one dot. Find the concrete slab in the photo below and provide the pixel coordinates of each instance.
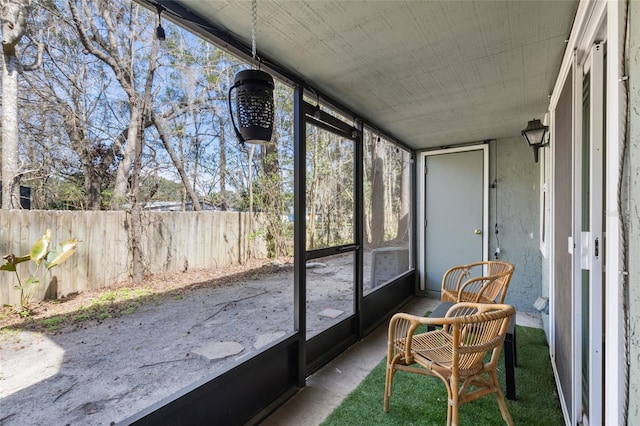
(267, 338)
(330, 313)
(218, 350)
(327, 387)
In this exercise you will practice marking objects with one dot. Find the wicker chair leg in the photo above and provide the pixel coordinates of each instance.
(500, 397)
(387, 388)
(452, 403)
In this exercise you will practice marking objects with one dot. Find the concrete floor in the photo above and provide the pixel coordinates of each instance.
(327, 387)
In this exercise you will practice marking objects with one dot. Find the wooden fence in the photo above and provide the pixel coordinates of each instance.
(172, 241)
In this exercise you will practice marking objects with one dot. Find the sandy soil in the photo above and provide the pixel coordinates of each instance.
(100, 368)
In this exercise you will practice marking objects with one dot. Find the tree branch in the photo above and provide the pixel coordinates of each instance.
(13, 14)
(37, 62)
(111, 60)
(157, 121)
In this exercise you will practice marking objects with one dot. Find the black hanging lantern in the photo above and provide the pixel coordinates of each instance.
(254, 97)
(160, 34)
(534, 135)
(254, 106)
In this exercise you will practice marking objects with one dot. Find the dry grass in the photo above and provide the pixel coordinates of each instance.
(81, 309)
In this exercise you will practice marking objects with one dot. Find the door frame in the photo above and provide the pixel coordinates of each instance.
(420, 199)
(597, 22)
(319, 349)
(589, 244)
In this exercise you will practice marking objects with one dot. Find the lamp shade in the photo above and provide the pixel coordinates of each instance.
(534, 133)
(254, 106)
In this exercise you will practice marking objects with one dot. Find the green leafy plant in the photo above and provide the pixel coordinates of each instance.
(45, 258)
(52, 323)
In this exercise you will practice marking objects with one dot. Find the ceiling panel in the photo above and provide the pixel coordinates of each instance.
(430, 73)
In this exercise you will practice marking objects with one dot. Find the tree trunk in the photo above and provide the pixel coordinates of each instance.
(176, 162)
(10, 160)
(14, 15)
(121, 188)
(142, 107)
(92, 179)
(223, 166)
(135, 230)
(92, 188)
(377, 196)
(272, 199)
(312, 195)
(405, 199)
(337, 212)
(250, 187)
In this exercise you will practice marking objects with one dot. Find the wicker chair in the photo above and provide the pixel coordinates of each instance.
(488, 283)
(454, 353)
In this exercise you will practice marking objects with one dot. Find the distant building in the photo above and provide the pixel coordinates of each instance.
(177, 206)
(25, 197)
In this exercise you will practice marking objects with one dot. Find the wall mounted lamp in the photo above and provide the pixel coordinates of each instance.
(534, 135)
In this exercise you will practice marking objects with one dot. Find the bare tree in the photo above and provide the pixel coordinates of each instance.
(67, 87)
(105, 42)
(106, 32)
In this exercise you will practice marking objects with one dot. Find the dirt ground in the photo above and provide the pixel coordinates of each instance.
(100, 357)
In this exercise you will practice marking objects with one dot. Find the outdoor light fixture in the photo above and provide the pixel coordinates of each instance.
(254, 99)
(160, 35)
(254, 106)
(534, 134)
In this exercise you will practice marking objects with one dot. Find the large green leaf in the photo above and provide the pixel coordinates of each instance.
(41, 247)
(8, 267)
(62, 252)
(12, 260)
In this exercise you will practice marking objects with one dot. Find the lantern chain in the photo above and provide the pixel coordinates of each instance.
(254, 25)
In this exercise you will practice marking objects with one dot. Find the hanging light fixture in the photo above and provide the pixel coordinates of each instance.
(160, 35)
(534, 135)
(254, 99)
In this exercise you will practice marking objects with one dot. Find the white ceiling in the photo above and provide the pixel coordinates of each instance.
(430, 73)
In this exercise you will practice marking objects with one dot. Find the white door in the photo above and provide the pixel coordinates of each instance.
(455, 220)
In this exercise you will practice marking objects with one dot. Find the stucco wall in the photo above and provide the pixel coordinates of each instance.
(516, 212)
(634, 215)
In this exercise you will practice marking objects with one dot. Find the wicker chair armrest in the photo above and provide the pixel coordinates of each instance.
(454, 276)
(402, 328)
(475, 287)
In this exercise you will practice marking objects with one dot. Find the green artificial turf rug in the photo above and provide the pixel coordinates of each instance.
(422, 400)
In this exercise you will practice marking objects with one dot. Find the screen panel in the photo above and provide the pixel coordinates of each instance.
(563, 231)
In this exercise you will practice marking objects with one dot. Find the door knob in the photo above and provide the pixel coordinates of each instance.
(478, 231)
